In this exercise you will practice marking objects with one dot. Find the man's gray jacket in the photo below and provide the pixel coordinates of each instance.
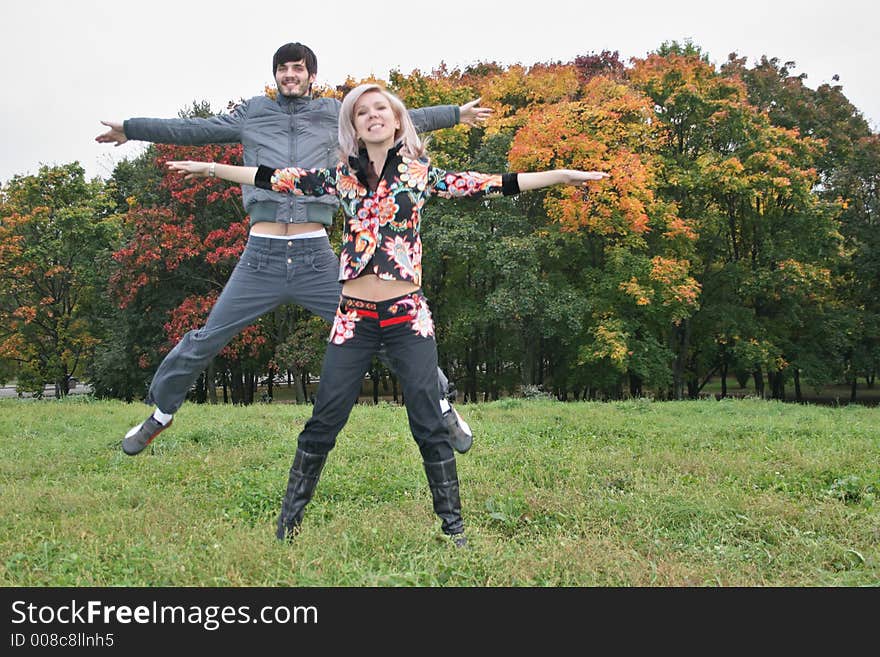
(300, 132)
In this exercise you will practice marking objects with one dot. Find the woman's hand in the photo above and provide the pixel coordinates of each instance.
(193, 169)
(230, 172)
(539, 179)
(574, 177)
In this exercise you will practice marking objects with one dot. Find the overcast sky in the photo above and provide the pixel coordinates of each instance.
(67, 64)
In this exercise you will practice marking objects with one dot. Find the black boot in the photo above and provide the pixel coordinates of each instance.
(443, 481)
(304, 475)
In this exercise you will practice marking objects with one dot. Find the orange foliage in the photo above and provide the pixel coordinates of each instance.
(677, 227)
(161, 242)
(227, 245)
(26, 313)
(679, 289)
(520, 88)
(641, 294)
(13, 346)
(671, 77)
(609, 130)
(188, 192)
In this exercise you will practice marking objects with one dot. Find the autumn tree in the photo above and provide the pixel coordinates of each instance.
(514, 304)
(847, 170)
(626, 248)
(735, 236)
(858, 183)
(181, 246)
(747, 186)
(56, 232)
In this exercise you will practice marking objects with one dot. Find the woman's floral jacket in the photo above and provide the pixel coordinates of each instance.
(382, 224)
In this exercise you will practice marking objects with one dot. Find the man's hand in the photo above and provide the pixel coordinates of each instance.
(115, 135)
(470, 114)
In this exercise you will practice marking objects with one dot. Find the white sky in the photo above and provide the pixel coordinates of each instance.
(67, 64)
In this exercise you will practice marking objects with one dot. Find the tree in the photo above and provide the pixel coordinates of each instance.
(847, 169)
(737, 235)
(301, 352)
(858, 183)
(623, 249)
(182, 239)
(56, 233)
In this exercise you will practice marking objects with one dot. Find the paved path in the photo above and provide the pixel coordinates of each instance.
(48, 392)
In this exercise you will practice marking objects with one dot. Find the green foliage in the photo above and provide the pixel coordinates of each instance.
(686, 49)
(57, 230)
(7, 370)
(138, 182)
(737, 235)
(113, 372)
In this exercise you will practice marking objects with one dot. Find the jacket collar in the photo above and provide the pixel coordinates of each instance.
(360, 164)
(295, 101)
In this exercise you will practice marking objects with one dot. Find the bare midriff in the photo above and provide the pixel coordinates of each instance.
(273, 228)
(370, 287)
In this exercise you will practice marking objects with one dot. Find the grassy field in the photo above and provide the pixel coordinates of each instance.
(637, 493)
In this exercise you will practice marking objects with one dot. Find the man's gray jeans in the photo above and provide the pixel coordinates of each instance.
(271, 272)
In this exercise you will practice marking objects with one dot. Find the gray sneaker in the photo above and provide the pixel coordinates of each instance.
(460, 435)
(139, 437)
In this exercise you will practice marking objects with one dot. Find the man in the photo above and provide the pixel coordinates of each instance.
(288, 258)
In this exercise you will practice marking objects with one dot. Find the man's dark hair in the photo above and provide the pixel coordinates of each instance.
(294, 52)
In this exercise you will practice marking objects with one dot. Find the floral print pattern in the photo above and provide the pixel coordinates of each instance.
(382, 227)
(343, 326)
(421, 320)
(411, 308)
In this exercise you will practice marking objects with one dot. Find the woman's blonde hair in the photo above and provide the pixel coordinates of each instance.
(349, 144)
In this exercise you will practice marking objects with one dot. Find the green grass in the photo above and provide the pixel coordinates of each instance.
(699, 493)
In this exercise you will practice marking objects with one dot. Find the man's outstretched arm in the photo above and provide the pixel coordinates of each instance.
(437, 117)
(197, 131)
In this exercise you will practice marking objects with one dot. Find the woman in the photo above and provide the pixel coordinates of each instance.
(382, 184)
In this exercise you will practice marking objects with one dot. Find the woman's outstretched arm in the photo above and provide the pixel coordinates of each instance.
(230, 172)
(540, 179)
(470, 183)
(312, 182)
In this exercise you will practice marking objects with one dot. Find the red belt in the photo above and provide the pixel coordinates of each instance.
(385, 322)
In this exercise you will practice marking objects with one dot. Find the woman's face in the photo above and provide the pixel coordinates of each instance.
(374, 119)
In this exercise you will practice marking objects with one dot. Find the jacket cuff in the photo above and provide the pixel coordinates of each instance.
(510, 184)
(457, 111)
(263, 178)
